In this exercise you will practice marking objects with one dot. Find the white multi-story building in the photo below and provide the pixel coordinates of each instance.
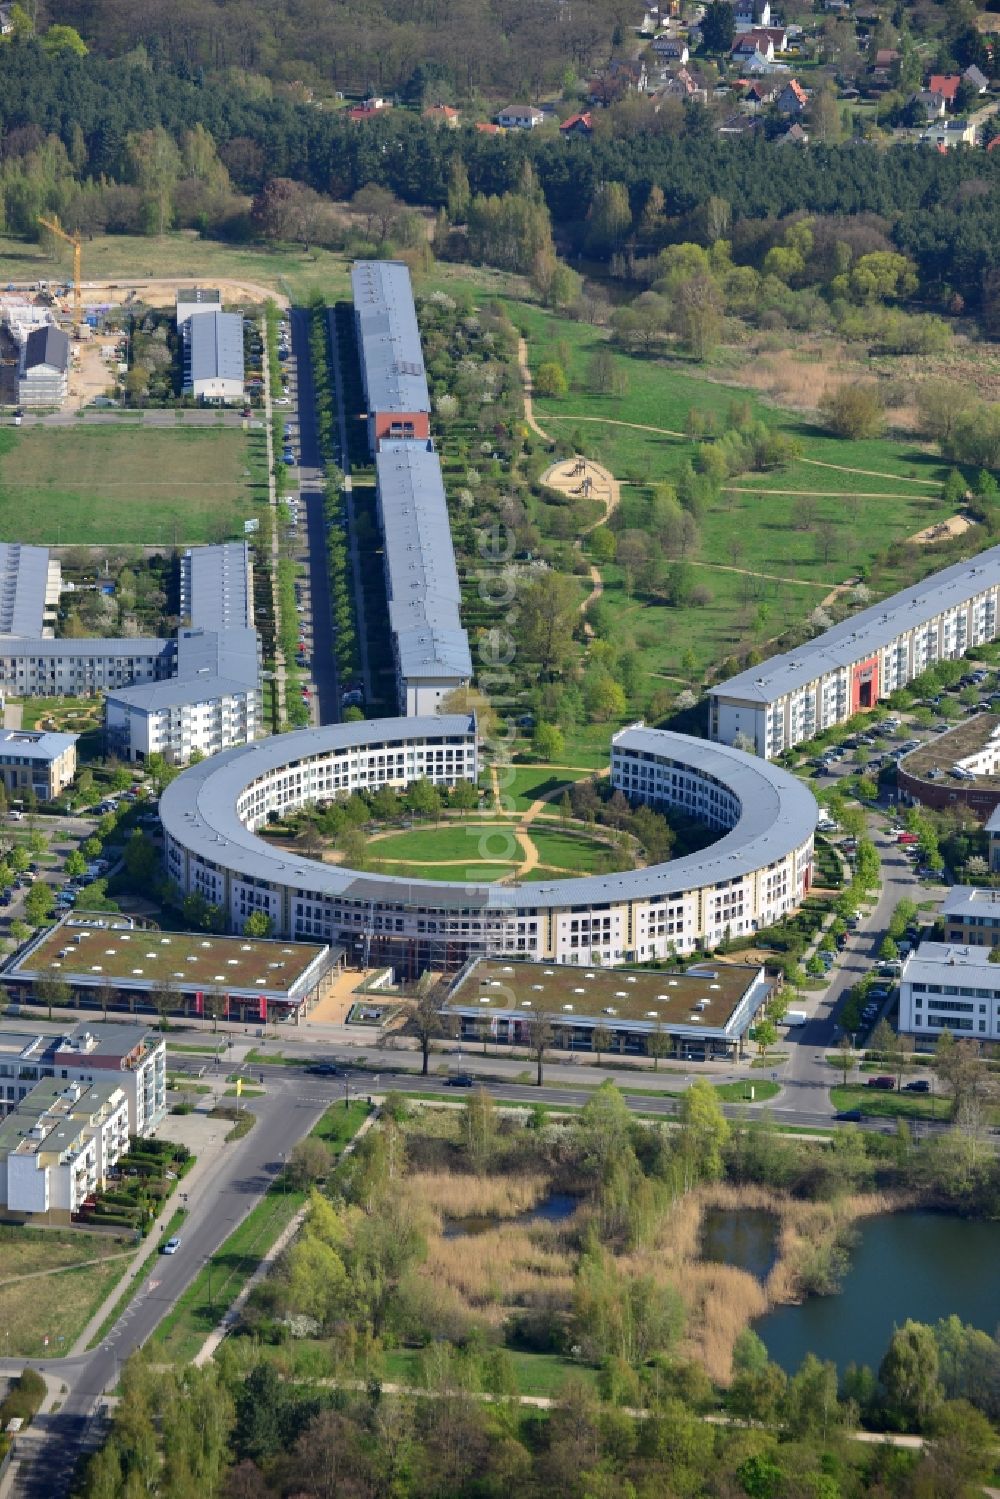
(130, 1056)
(757, 872)
(847, 669)
(58, 1146)
(949, 987)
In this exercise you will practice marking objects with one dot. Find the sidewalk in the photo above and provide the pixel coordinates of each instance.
(232, 1314)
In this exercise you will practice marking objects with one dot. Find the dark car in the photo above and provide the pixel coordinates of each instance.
(852, 1116)
(323, 1069)
(886, 1084)
(460, 1080)
(919, 1085)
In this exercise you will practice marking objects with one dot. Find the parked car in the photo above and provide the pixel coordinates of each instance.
(172, 1245)
(886, 1084)
(460, 1080)
(918, 1085)
(849, 1116)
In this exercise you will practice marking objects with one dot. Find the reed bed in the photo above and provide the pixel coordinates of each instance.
(503, 1268)
(450, 1195)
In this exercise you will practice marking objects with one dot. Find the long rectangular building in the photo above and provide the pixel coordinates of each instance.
(945, 987)
(430, 646)
(795, 695)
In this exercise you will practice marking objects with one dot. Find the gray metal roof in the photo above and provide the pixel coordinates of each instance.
(42, 745)
(47, 347)
(970, 900)
(392, 360)
(214, 347)
(24, 572)
(866, 632)
(993, 821)
(422, 579)
(69, 649)
(210, 664)
(940, 962)
(198, 809)
(215, 586)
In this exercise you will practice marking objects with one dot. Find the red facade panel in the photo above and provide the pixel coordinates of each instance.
(864, 684)
(396, 424)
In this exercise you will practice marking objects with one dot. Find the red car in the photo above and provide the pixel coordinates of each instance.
(907, 838)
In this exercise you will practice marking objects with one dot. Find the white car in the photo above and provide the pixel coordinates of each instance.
(172, 1245)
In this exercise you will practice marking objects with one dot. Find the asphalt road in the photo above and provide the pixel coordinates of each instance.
(316, 583)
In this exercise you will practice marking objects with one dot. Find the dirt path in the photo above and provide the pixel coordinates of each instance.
(529, 412)
(750, 572)
(597, 588)
(819, 494)
(11, 1280)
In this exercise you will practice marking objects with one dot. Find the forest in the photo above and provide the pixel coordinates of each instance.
(131, 145)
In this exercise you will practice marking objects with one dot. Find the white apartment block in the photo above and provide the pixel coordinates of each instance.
(847, 669)
(130, 1056)
(58, 1147)
(949, 987)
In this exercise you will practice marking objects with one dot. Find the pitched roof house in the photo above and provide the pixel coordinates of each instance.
(793, 98)
(671, 49)
(580, 124)
(945, 84)
(750, 13)
(753, 45)
(520, 117)
(977, 78)
(682, 85)
(443, 114)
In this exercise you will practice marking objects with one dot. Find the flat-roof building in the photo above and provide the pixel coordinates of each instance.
(227, 978)
(37, 761)
(703, 1012)
(848, 668)
(192, 300)
(949, 987)
(59, 1145)
(971, 916)
(128, 1055)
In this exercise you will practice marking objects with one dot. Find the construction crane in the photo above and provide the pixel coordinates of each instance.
(54, 226)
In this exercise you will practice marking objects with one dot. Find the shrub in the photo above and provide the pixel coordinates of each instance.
(852, 411)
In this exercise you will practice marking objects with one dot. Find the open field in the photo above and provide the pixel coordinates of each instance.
(56, 1305)
(101, 485)
(488, 851)
(521, 786)
(876, 1104)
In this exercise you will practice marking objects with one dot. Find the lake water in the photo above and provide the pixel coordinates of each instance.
(920, 1265)
(551, 1209)
(745, 1239)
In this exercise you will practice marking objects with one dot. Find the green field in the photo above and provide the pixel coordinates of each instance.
(469, 851)
(519, 786)
(93, 485)
(879, 1105)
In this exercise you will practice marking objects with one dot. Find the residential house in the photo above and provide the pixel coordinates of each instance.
(682, 85)
(945, 84)
(579, 124)
(931, 105)
(43, 377)
(750, 13)
(487, 127)
(945, 134)
(776, 35)
(368, 109)
(794, 136)
(622, 76)
(746, 50)
(886, 59)
(759, 95)
(443, 114)
(977, 78)
(6, 20)
(37, 761)
(520, 117)
(671, 49)
(793, 98)
(759, 66)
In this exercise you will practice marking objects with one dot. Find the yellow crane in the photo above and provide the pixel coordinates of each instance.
(54, 226)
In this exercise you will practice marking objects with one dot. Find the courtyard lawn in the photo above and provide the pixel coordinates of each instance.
(521, 786)
(473, 841)
(563, 849)
(102, 485)
(480, 874)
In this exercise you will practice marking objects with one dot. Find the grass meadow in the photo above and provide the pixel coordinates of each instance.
(94, 485)
(78, 1270)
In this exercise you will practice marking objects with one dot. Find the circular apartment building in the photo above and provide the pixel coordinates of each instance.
(757, 871)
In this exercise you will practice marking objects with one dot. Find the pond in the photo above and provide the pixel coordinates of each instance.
(920, 1265)
(552, 1209)
(746, 1239)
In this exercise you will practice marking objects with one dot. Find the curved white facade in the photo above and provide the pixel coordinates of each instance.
(757, 871)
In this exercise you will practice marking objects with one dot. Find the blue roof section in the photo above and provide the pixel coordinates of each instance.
(24, 573)
(392, 360)
(28, 744)
(216, 589)
(198, 809)
(213, 347)
(422, 579)
(864, 633)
